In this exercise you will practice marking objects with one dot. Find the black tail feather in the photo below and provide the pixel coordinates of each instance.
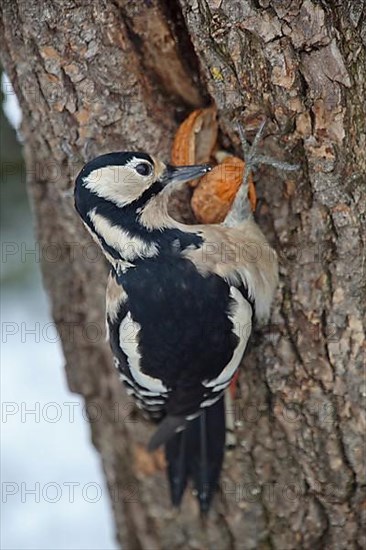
(166, 430)
(175, 453)
(197, 453)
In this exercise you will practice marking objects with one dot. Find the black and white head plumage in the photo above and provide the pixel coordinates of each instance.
(120, 178)
(122, 199)
(124, 178)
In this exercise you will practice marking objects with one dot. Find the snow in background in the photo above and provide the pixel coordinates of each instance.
(10, 103)
(53, 491)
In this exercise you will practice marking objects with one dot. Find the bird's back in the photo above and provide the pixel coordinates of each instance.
(180, 321)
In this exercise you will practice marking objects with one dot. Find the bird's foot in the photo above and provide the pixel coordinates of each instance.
(241, 209)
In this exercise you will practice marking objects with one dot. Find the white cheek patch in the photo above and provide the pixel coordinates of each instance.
(119, 184)
(241, 317)
(128, 341)
(128, 246)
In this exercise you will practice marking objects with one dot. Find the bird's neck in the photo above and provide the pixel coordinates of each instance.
(137, 231)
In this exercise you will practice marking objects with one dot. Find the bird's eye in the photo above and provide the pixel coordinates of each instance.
(143, 169)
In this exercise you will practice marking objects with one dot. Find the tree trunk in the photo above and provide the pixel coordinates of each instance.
(121, 75)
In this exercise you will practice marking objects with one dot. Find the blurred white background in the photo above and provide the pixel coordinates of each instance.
(53, 491)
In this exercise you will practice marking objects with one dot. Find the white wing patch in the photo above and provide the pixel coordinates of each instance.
(211, 400)
(128, 341)
(241, 317)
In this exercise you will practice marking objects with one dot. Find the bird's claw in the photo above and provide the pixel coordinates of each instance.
(241, 209)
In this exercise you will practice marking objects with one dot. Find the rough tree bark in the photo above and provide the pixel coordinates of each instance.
(121, 75)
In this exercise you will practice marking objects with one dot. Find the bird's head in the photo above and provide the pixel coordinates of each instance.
(126, 178)
(122, 199)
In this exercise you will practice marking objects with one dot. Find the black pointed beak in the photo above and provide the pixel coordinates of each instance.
(181, 174)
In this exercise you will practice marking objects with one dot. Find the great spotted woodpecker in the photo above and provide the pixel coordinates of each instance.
(180, 305)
